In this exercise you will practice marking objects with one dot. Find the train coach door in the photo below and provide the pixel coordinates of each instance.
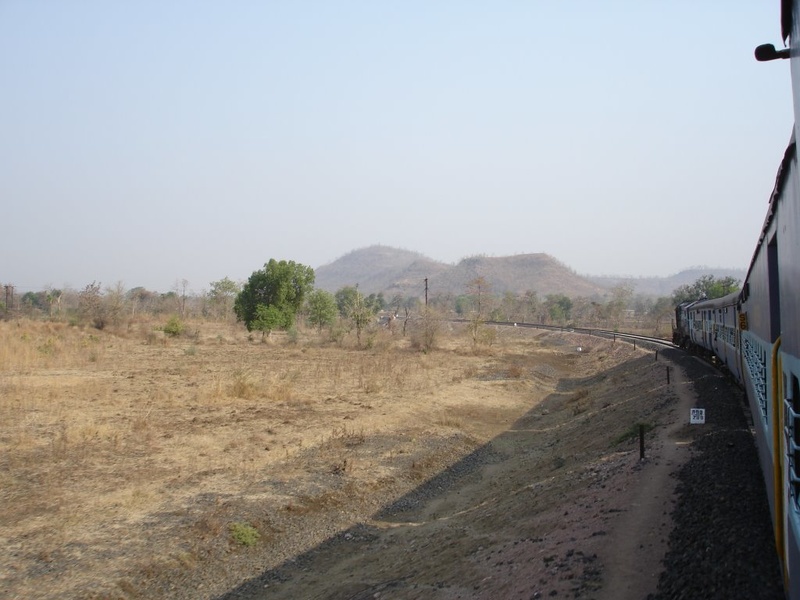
(781, 443)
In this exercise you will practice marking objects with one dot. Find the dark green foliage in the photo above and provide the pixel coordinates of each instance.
(281, 285)
(349, 296)
(706, 287)
(463, 305)
(270, 318)
(346, 298)
(375, 302)
(559, 308)
(36, 300)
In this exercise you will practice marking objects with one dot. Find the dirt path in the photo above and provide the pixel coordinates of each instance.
(639, 537)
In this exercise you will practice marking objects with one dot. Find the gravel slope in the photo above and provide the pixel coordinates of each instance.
(721, 545)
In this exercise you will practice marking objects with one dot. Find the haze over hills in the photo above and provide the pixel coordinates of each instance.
(664, 286)
(391, 271)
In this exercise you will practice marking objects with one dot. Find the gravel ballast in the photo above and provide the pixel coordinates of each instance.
(721, 545)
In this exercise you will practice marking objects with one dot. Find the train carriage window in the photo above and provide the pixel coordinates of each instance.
(793, 429)
(774, 290)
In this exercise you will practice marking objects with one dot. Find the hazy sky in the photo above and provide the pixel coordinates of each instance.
(147, 142)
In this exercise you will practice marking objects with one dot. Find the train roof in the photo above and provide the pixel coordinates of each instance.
(729, 300)
(780, 181)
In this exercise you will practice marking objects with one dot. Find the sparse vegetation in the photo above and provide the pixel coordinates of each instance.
(228, 433)
(631, 433)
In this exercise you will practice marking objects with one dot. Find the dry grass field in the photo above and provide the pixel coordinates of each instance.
(134, 465)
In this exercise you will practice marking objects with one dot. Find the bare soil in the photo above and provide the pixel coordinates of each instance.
(131, 464)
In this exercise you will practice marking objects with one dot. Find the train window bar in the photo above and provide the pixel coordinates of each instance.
(792, 432)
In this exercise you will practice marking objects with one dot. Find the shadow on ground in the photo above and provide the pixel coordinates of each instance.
(434, 540)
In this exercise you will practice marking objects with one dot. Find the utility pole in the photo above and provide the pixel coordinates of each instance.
(426, 291)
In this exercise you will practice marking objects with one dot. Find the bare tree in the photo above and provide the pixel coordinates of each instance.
(90, 305)
(115, 300)
(179, 289)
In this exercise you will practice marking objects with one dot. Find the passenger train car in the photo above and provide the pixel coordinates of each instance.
(755, 333)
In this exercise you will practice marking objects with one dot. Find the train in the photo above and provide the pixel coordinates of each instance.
(755, 332)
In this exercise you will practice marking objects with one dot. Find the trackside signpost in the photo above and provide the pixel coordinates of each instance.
(697, 416)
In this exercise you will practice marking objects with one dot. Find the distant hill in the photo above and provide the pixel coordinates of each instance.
(394, 271)
(378, 269)
(664, 286)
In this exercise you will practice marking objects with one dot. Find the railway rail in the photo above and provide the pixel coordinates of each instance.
(604, 333)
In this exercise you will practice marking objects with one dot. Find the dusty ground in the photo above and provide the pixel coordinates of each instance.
(135, 466)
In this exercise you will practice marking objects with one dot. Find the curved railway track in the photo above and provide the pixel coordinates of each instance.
(604, 333)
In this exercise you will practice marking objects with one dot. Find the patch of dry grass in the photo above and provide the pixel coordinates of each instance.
(109, 431)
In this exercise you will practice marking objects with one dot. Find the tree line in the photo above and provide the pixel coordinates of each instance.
(282, 293)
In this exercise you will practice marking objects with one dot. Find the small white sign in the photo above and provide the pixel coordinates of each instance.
(697, 416)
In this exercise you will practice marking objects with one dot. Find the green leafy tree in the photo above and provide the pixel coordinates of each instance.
(36, 300)
(269, 318)
(354, 307)
(345, 299)
(463, 305)
(282, 285)
(559, 308)
(705, 287)
(321, 308)
(375, 302)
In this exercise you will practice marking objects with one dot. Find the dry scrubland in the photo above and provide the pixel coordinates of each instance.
(134, 465)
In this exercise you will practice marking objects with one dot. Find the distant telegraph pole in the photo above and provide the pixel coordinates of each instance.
(426, 291)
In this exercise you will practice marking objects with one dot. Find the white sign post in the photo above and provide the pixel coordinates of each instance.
(697, 416)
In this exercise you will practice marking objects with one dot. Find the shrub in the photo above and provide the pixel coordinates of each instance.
(244, 534)
(174, 327)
